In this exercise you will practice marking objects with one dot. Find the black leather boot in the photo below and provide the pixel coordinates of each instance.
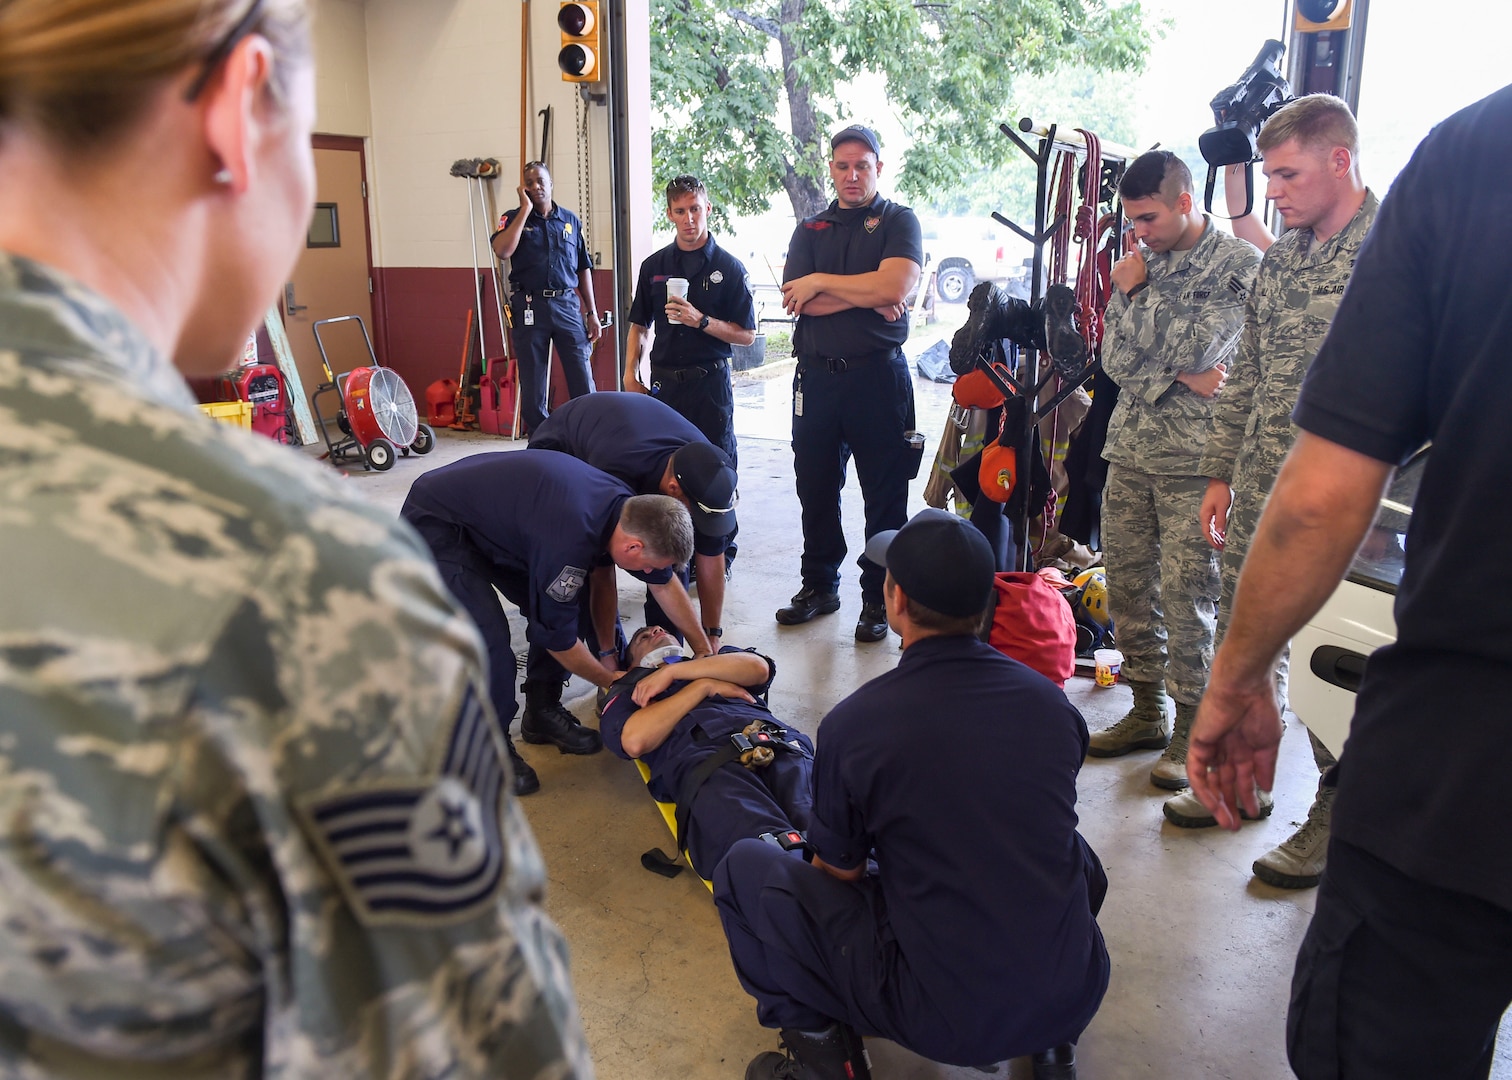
(806, 604)
(1057, 1063)
(1049, 326)
(834, 1054)
(994, 316)
(546, 721)
(1064, 343)
(526, 782)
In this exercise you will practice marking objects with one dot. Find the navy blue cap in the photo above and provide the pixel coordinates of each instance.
(707, 478)
(858, 133)
(942, 561)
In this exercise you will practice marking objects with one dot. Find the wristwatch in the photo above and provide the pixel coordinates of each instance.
(714, 631)
(703, 324)
(604, 653)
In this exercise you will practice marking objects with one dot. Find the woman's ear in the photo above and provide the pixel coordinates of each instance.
(229, 105)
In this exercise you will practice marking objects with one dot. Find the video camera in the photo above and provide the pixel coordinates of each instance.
(1238, 112)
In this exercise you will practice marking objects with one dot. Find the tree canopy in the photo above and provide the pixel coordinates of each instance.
(747, 92)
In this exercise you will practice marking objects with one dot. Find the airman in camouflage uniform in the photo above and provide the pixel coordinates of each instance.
(254, 809)
(1297, 291)
(1173, 322)
(1251, 431)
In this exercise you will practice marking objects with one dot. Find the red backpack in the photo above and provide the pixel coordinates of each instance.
(1032, 623)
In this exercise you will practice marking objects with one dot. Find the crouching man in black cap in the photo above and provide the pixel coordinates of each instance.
(972, 937)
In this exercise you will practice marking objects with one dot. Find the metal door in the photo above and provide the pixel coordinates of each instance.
(332, 277)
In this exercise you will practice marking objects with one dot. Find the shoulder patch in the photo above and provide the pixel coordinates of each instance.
(431, 850)
(565, 588)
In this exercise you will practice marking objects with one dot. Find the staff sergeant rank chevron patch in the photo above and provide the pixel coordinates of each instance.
(425, 851)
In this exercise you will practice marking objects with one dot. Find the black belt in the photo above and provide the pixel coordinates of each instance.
(547, 294)
(734, 748)
(687, 374)
(842, 363)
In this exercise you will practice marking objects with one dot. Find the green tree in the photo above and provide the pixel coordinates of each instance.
(1075, 96)
(746, 92)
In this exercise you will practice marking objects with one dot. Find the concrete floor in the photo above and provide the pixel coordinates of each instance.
(1202, 952)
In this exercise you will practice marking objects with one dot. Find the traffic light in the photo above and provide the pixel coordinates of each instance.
(580, 58)
(1314, 16)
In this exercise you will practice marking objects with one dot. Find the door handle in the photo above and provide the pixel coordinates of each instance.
(290, 307)
(1338, 667)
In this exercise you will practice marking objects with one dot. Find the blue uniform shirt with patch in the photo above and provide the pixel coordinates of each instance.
(717, 286)
(841, 241)
(629, 436)
(551, 250)
(547, 517)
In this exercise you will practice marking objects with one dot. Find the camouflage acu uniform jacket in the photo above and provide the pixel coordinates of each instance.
(254, 817)
(1294, 300)
(1187, 320)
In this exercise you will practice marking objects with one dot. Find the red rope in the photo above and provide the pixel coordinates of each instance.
(1091, 292)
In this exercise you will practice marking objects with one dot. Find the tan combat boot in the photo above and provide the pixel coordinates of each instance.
(1187, 811)
(1298, 861)
(1170, 771)
(1144, 727)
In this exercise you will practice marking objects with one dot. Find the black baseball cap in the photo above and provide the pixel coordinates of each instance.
(708, 480)
(940, 560)
(858, 133)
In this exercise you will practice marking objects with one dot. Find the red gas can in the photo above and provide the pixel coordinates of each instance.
(441, 402)
(496, 393)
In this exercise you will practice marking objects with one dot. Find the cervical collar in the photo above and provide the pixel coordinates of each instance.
(657, 657)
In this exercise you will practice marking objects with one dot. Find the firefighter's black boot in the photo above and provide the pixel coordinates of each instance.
(546, 721)
(834, 1054)
(1064, 343)
(526, 782)
(995, 316)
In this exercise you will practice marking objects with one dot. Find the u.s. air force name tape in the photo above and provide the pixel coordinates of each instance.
(426, 850)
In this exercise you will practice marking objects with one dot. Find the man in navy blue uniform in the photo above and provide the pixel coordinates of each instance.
(849, 270)
(972, 938)
(650, 447)
(676, 714)
(1406, 969)
(690, 356)
(551, 276)
(547, 531)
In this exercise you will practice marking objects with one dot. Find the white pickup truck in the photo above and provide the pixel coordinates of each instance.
(965, 250)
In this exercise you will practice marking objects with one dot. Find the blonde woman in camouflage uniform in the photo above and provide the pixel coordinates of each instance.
(254, 812)
(1311, 160)
(1173, 323)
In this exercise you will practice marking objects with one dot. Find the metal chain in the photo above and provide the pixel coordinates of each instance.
(585, 189)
